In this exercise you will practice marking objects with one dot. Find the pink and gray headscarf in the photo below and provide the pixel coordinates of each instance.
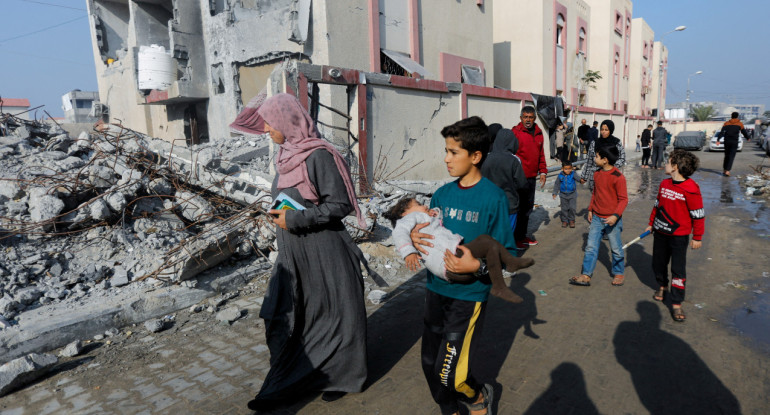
(284, 113)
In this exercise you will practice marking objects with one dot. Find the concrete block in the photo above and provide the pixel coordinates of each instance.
(9, 190)
(161, 187)
(101, 176)
(193, 207)
(119, 277)
(45, 208)
(229, 314)
(23, 370)
(154, 325)
(246, 154)
(99, 210)
(72, 349)
(116, 201)
(70, 163)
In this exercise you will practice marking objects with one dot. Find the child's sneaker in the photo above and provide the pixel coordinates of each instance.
(564, 224)
(522, 245)
(530, 242)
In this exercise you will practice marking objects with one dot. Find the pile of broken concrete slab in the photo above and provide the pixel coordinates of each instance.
(106, 209)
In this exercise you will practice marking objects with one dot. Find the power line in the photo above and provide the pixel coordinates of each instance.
(48, 58)
(51, 4)
(42, 30)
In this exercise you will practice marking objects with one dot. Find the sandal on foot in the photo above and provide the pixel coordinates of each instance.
(658, 296)
(488, 392)
(582, 280)
(618, 280)
(678, 314)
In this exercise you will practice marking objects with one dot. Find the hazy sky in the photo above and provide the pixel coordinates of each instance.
(45, 49)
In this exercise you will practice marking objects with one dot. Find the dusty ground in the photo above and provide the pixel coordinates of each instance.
(566, 349)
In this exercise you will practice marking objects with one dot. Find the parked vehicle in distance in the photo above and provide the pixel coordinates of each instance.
(690, 140)
(720, 146)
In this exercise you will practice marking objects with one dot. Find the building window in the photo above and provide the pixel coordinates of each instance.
(644, 50)
(560, 30)
(582, 40)
(82, 103)
(618, 23)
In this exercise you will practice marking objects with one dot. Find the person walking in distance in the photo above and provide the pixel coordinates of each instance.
(730, 133)
(659, 143)
(532, 155)
(606, 139)
(582, 135)
(646, 146)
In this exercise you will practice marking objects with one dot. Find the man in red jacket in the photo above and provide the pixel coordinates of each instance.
(532, 155)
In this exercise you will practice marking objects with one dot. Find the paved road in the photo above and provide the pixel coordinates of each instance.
(565, 350)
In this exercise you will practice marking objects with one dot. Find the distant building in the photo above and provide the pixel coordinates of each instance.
(15, 106)
(81, 106)
(723, 110)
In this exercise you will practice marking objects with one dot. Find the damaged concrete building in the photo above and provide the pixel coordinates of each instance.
(380, 77)
(219, 53)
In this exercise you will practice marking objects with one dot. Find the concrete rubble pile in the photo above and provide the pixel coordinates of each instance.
(107, 209)
(116, 207)
(758, 184)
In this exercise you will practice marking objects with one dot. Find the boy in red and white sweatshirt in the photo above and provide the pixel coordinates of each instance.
(677, 213)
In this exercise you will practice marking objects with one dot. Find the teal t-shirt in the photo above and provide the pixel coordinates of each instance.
(470, 212)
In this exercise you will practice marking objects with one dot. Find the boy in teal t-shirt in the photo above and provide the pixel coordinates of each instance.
(454, 313)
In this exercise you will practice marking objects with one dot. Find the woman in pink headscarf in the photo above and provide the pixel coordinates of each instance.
(315, 320)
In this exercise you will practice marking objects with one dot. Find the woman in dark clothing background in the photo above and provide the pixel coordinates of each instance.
(606, 139)
(315, 320)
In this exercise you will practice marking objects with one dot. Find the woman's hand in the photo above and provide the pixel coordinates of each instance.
(413, 262)
(419, 239)
(582, 181)
(279, 218)
(465, 264)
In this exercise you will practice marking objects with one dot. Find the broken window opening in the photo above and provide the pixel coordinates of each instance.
(195, 124)
(111, 28)
(472, 75)
(398, 63)
(389, 66)
(218, 6)
(217, 78)
(151, 21)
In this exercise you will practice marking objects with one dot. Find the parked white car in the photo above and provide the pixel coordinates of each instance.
(720, 146)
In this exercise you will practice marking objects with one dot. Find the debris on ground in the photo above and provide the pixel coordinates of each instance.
(757, 184)
(21, 371)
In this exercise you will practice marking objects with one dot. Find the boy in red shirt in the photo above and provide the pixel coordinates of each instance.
(608, 201)
(678, 211)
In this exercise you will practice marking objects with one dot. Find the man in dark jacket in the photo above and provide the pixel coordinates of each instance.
(659, 143)
(504, 169)
(731, 131)
(582, 134)
(593, 134)
(532, 155)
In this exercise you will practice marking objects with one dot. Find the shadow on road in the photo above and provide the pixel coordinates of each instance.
(567, 394)
(394, 328)
(502, 323)
(669, 377)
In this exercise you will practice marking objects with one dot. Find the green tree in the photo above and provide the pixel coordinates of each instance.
(702, 112)
(590, 78)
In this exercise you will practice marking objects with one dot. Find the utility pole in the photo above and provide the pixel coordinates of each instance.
(687, 105)
(660, 67)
